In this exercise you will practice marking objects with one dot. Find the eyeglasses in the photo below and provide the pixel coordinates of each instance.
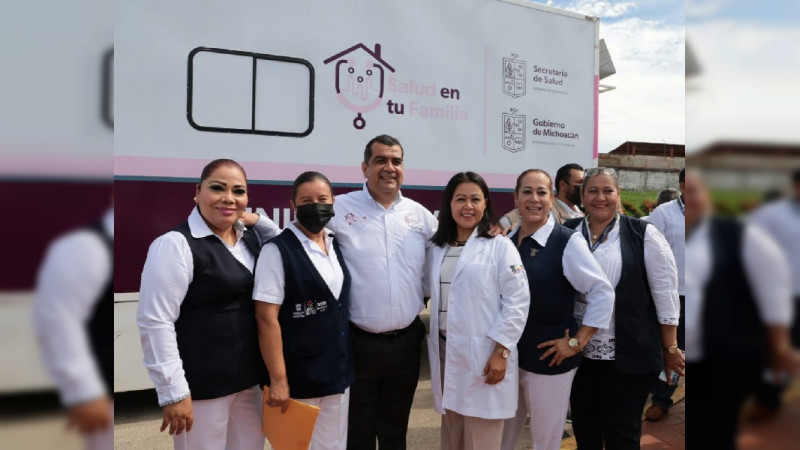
(599, 171)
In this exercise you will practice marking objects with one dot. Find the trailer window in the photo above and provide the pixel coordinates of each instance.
(231, 91)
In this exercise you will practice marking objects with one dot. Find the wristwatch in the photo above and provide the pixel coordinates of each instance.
(574, 344)
(502, 351)
(672, 349)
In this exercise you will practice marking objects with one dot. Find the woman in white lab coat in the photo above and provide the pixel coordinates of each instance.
(479, 306)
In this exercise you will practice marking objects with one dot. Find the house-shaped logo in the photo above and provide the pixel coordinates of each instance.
(359, 79)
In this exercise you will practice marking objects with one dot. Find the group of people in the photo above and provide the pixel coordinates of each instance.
(582, 313)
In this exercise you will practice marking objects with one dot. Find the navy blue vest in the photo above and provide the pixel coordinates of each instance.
(100, 326)
(552, 301)
(314, 324)
(216, 329)
(732, 324)
(638, 334)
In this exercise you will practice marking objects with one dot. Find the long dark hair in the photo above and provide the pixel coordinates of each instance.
(447, 225)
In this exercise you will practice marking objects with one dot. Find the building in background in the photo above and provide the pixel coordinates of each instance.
(645, 166)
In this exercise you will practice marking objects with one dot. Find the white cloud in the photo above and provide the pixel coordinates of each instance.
(747, 87)
(648, 104)
(600, 9)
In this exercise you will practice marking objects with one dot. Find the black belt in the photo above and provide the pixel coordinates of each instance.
(386, 334)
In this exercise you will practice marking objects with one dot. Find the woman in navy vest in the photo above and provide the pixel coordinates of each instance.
(197, 321)
(621, 363)
(559, 267)
(302, 290)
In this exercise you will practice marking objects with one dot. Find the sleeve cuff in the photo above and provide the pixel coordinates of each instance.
(668, 320)
(174, 393)
(175, 400)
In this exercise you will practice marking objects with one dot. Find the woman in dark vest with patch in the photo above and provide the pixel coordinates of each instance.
(302, 304)
(197, 321)
(560, 267)
(621, 363)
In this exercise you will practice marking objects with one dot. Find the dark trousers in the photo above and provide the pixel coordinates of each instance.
(719, 389)
(662, 392)
(386, 376)
(768, 393)
(607, 406)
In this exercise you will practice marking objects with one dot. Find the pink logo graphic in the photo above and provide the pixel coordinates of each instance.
(359, 79)
(351, 218)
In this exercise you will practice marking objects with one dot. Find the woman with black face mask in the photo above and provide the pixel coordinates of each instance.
(302, 308)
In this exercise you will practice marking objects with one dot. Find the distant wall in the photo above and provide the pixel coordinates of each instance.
(644, 173)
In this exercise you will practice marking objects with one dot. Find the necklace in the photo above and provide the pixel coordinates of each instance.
(458, 243)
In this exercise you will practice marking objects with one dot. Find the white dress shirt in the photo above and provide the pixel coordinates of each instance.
(270, 281)
(671, 222)
(384, 249)
(766, 269)
(168, 272)
(585, 275)
(74, 273)
(662, 276)
(781, 220)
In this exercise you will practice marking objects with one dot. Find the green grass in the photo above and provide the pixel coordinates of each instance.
(636, 198)
(726, 203)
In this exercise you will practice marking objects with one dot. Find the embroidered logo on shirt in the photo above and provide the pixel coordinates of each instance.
(517, 268)
(309, 308)
(415, 224)
(351, 218)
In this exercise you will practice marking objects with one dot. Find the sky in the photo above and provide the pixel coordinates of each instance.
(645, 39)
(749, 57)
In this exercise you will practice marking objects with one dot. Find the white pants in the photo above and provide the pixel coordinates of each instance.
(103, 439)
(330, 431)
(546, 397)
(232, 422)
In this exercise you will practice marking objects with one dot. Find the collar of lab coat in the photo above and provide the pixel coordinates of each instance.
(472, 249)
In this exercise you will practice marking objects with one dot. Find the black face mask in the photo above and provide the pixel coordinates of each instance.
(314, 216)
(575, 196)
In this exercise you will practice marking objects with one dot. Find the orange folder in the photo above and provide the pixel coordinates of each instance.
(291, 430)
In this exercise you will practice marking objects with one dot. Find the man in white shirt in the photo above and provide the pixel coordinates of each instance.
(70, 313)
(781, 220)
(383, 237)
(670, 219)
(738, 303)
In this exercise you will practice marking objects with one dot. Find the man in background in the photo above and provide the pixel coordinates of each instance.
(781, 220)
(670, 219)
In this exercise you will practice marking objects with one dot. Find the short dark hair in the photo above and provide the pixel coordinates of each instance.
(564, 173)
(216, 164)
(307, 177)
(682, 176)
(522, 175)
(667, 195)
(446, 232)
(384, 139)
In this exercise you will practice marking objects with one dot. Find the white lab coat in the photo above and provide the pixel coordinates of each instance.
(488, 303)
